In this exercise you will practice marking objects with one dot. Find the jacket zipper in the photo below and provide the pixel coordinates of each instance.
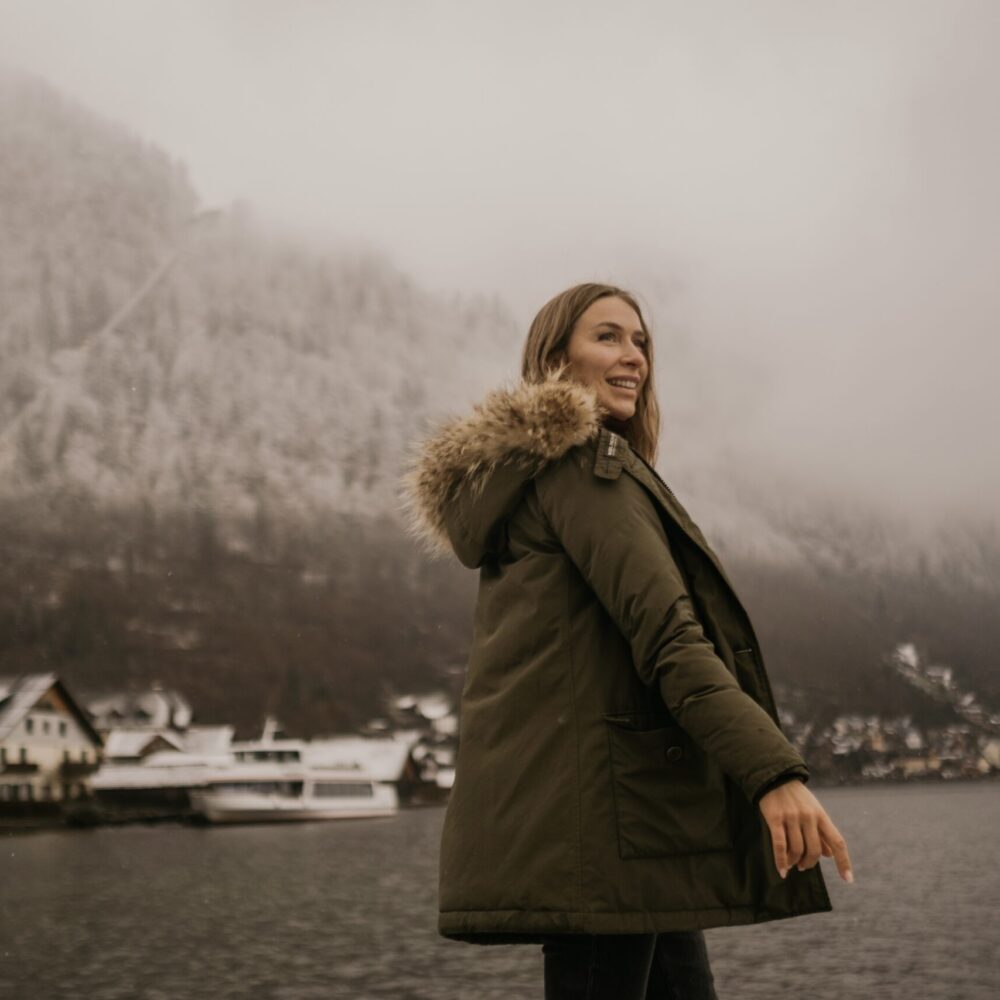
(659, 478)
(762, 679)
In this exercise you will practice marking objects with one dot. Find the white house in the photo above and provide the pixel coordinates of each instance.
(48, 746)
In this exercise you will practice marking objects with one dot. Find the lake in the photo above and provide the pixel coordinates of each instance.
(348, 909)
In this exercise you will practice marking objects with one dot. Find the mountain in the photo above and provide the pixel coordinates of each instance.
(202, 425)
(253, 373)
(196, 415)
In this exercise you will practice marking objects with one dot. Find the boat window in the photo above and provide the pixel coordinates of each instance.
(343, 789)
(290, 788)
(274, 756)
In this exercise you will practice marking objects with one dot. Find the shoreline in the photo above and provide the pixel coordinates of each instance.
(89, 815)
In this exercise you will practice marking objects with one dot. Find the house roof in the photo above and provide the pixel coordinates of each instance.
(18, 695)
(132, 742)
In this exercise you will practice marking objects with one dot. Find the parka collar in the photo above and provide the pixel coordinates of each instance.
(468, 476)
(450, 494)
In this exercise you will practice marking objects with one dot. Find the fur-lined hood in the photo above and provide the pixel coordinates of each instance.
(468, 476)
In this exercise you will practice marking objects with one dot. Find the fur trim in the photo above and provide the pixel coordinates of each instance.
(531, 425)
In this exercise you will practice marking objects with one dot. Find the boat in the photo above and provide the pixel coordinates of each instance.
(269, 779)
(278, 782)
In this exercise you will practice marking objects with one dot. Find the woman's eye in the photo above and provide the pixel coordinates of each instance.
(607, 333)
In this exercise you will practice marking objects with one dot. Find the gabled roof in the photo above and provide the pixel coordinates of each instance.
(18, 695)
(134, 742)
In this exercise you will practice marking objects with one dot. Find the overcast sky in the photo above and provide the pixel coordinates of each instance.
(804, 192)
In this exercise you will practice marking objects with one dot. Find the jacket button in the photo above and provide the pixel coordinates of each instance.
(674, 753)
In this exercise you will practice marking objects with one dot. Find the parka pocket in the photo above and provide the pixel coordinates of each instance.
(669, 797)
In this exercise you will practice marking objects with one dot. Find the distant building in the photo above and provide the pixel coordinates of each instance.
(991, 752)
(942, 675)
(153, 755)
(154, 708)
(48, 745)
(130, 746)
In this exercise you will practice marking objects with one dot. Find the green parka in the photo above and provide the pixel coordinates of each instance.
(617, 725)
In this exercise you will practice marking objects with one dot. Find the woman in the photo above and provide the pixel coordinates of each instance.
(623, 781)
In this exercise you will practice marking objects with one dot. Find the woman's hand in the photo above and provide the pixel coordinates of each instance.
(801, 831)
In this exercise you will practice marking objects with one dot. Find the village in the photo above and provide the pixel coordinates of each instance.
(140, 756)
(873, 748)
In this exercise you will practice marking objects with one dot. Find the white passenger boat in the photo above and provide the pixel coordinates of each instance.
(266, 779)
(280, 780)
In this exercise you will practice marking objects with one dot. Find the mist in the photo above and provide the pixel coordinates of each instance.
(803, 195)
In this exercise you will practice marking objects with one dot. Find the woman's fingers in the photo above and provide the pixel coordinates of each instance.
(779, 846)
(811, 849)
(793, 836)
(801, 831)
(836, 847)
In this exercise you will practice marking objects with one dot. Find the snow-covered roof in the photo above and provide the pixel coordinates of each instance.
(446, 725)
(434, 706)
(18, 695)
(132, 742)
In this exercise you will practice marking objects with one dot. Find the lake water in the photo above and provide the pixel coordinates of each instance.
(331, 910)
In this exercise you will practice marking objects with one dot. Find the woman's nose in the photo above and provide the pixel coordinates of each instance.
(632, 355)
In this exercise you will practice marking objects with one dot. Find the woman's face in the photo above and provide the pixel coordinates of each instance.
(607, 349)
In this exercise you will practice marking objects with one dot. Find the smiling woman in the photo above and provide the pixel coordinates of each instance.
(623, 781)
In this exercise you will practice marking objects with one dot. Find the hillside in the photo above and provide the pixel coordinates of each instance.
(204, 492)
(253, 374)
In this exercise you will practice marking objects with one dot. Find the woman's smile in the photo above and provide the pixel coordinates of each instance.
(629, 385)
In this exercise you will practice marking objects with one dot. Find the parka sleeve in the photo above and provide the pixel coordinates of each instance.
(610, 530)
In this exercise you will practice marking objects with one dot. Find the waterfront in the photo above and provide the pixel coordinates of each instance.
(347, 910)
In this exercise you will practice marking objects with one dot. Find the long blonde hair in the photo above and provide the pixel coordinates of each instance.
(549, 334)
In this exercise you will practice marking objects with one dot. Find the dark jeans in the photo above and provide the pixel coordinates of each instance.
(670, 966)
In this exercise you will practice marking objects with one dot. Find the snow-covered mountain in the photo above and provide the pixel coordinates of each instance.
(242, 370)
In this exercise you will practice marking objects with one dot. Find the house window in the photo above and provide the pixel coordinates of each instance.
(45, 725)
(29, 725)
(83, 756)
(67, 789)
(62, 728)
(3, 756)
(23, 755)
(29, 793)
(65, 756)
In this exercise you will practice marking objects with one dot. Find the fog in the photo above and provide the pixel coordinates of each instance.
(803, 194)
